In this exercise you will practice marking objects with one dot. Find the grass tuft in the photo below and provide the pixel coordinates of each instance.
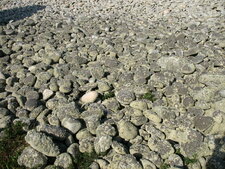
(164, 166)
(11, 145)
(192, 160)
(148, 96)
(108, 95)
(84, 160)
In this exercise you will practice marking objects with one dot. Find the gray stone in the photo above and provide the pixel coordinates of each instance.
(124, 161)
(163, 147)
(119, 147)
(71, 124)
(105, 129)
(64, 160)
(31, 158)
(125, 96)
(127, 130)
(5, 121)
(86, 145)
(47, 94)
(202, 123)
(31, 104)
(54, 131)
(42, 143)
(102, 143)
(175, 160)
(147, 164)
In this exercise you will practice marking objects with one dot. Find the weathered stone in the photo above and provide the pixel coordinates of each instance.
(125, 96)
(71, 124)
(31, 158)
(53, 131)
(47, 94)
(163, 147)
(127, 130)
(64, 160)
(42, 143)
(102, 143)
(125, 161)
(202, 123)
(86, 145)
(119, 147)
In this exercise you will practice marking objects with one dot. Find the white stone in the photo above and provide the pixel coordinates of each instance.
(89, 97)
(47, 94)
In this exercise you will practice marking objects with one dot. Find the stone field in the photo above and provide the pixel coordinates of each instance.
(139, 82)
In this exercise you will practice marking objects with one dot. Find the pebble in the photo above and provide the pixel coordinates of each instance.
(47, 94)
(89, 97)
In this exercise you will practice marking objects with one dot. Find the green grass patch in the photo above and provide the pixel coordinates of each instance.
(84, 160)
(108, 95)
(11, 146)
(192, 160)
(148, 96)
(164, 166)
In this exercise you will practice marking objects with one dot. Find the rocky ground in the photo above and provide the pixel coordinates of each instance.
(140, 81)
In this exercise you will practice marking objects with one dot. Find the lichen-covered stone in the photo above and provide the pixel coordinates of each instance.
(64, 160)
(42, 143)
(125, 161)
(102, 143)
(125, 96)
(31, 158)
(127, 130)
(72, 124)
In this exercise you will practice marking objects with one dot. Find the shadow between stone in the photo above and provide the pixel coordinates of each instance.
(19, 13)
(217, 160)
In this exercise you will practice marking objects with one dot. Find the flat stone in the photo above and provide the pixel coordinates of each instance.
(125, 161)
(138, 104)
(176, 64)
(64, 160)
(119, 147)
(31, 158)
(54, 131)
(202, 123)
(127, 130)
(31, 104)
(86, 145)
(42, 143)
(89, 97)
(163, 147)
(47, 94)
(125, 96)
(71, 124)
(102, 143)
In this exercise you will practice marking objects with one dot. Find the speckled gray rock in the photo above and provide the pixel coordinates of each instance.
(119, 147)
(147, 164)
(176, 64)
(125, 96)
(64, 160)
(202, 123)
(31, 158)
(127, 130)
(163, 147)
(42, 143)
(105, 129)
(53, 131)
(47, 94)
(86, 145)
(102, 143)
(5, 121)
(71, 124)
(124, 161)
(175, 161)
